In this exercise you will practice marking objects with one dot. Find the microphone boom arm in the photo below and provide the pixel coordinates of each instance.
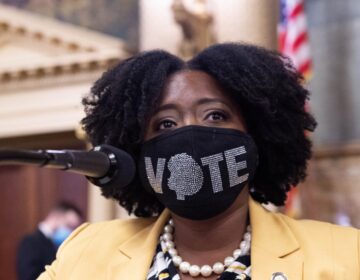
(105, 166)
(63, 160)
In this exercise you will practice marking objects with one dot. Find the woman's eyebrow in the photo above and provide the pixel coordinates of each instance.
(211, 100)
(172, 106)
(164, 107)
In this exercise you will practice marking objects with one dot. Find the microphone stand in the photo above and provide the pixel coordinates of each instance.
(104, 165)
(64, 160)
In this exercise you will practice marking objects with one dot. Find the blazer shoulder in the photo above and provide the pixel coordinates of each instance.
(319, 227)
(94, 243)
(121, 229)
(342, 243)
(107, 234)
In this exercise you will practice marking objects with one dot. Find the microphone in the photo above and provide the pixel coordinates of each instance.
(104, 165)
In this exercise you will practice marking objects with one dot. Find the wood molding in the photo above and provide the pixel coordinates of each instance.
(60, 140)
(336, 151)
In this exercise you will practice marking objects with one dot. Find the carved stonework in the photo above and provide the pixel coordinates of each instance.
(46, 67)
(33, 46)
(196, 23)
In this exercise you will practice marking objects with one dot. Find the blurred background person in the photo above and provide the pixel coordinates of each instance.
(38, 248)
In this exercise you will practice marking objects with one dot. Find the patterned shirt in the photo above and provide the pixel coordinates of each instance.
(162, 267)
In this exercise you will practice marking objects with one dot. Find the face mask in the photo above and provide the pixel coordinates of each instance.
(60, 235)
(197, 172)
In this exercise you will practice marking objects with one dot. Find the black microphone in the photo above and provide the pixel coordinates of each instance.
(104, 165)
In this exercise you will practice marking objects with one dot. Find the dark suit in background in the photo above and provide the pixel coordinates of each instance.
(35, 251)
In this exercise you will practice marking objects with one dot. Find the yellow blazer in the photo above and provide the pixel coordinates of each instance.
(119, 250)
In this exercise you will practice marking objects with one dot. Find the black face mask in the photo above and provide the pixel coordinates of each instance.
(197, 172)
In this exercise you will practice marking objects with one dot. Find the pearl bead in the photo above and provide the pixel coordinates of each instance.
(194, 270)
(237, 253)
(184, 267)
(177, 260)
(168, 229)
(246, 249)
(228, 261)
(218, 268)
(167, 236)
(206, 270)
(170, 244)
(172, 252)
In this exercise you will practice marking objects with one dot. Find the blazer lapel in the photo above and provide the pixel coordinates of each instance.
(266, 265)
(274, 247)
(135, 255)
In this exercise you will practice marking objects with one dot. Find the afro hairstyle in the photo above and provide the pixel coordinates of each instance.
(266, 86)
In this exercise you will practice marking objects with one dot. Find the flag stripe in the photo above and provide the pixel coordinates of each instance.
(301, 55)
(295, 26)
(294, 43)
(293, 35)
(305, 68)
(301, 39)
(297, 10)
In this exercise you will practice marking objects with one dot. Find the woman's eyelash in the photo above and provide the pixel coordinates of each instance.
(164, 123)
(218, 113)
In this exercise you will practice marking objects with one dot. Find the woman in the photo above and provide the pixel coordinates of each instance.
(213, 138)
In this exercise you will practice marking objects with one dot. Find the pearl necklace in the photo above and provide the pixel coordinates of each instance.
(205, 270)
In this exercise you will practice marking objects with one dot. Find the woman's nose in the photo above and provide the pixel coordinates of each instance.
(191, 120)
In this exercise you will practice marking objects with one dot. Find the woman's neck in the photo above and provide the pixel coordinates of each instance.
(209, 241)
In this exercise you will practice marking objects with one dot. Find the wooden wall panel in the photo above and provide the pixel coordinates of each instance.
(27, 193)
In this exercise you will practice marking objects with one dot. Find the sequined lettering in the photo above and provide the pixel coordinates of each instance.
(155, 180)
(215, 175)
(234, 167)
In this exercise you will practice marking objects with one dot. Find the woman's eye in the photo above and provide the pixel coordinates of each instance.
(166, 124)
(216, 116)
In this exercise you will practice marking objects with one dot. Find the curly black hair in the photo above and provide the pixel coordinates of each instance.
(265, 84)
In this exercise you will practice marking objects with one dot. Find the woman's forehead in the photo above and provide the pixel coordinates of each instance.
(191, 85)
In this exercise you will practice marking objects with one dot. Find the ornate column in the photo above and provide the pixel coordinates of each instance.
(252, 21)
(99, 208)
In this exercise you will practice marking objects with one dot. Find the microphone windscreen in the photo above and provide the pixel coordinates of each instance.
(121, 171)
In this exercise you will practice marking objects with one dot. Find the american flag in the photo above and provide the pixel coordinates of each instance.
(293, 35)
(294, 43)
